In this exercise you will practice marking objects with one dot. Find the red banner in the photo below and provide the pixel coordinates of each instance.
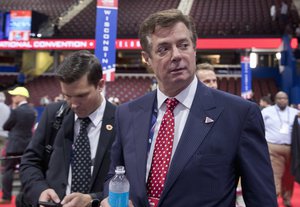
(134, 44)
(107, 3)
(48, 45)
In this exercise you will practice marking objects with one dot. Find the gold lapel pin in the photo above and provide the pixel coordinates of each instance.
(109, 127)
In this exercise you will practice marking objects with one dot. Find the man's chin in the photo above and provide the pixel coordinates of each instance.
(182, 78)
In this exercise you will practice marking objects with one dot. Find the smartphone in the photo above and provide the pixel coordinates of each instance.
(49, 204)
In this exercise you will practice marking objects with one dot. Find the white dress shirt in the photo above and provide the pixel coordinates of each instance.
(181, 113)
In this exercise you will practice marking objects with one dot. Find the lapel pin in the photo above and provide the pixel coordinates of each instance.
(208, 120)
(109, 127)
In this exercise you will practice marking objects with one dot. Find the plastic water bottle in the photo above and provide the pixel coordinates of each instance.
(119, 189)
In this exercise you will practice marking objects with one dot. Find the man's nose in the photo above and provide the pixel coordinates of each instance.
(176, 54)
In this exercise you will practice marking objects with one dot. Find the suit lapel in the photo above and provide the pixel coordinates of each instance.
(106, 135)
(141, 128)
(196, 128)
(68, 135)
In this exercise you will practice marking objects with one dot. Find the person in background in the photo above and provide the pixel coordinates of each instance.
(273, 11)
(206, 74)
(284, 16)
(4, 111)
(186, 144)
(45, 100)
(58, 98)
(297, 33)
(278, 121)
(79, 156)
(295, 149)
(265, 101)
(19, 124)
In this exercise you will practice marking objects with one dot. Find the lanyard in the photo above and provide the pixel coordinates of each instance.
(152, 128)
(279, 117)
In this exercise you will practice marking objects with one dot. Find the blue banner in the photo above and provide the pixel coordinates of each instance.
(106, 32)
(246, 91)
(1, 25)
(7, 25)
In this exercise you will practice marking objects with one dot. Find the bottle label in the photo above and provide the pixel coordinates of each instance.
(118, 199)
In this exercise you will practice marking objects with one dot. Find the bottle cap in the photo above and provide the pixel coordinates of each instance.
(120, 170)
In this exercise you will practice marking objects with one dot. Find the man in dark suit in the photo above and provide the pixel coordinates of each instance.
(81, 82)
(19, 124)
(217, 137)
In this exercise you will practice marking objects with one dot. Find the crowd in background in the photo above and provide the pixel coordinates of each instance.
(248, 159)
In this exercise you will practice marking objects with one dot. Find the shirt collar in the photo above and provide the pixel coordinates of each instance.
(22, 102)
(278, 109)
(185, 97)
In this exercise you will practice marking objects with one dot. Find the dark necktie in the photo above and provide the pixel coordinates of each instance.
(81, 161)
(162, 151)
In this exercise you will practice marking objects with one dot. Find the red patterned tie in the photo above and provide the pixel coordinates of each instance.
(162, 152)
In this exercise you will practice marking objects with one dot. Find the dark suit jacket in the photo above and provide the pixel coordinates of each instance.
(32, 175)
(19, 124)
(209, 157)
(295, 148)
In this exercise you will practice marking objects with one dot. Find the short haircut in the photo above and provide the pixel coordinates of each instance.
(205, 66)
(163, 19)
(77, 64)
(267, 99)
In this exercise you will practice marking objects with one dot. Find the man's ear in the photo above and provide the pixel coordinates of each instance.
(101, 84)
(146, 58)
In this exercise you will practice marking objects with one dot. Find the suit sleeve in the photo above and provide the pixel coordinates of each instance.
(254, 162)
(31, 168)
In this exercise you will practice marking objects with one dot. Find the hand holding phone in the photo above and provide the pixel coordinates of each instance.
(49, 204)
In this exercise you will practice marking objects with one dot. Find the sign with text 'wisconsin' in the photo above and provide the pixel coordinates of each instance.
(106, 32)
(246, 79)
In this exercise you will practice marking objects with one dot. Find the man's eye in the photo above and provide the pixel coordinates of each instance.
(162, 50)
(183, 45)
(82, 95)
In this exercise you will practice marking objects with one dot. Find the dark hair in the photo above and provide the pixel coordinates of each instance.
(165, 18)
(77, 64)
(267, 99)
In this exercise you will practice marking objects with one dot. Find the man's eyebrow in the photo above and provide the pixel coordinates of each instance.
(183, 40)
(76, 95)
(163, 44)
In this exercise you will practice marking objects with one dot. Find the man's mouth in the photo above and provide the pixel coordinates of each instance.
(177, 69)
